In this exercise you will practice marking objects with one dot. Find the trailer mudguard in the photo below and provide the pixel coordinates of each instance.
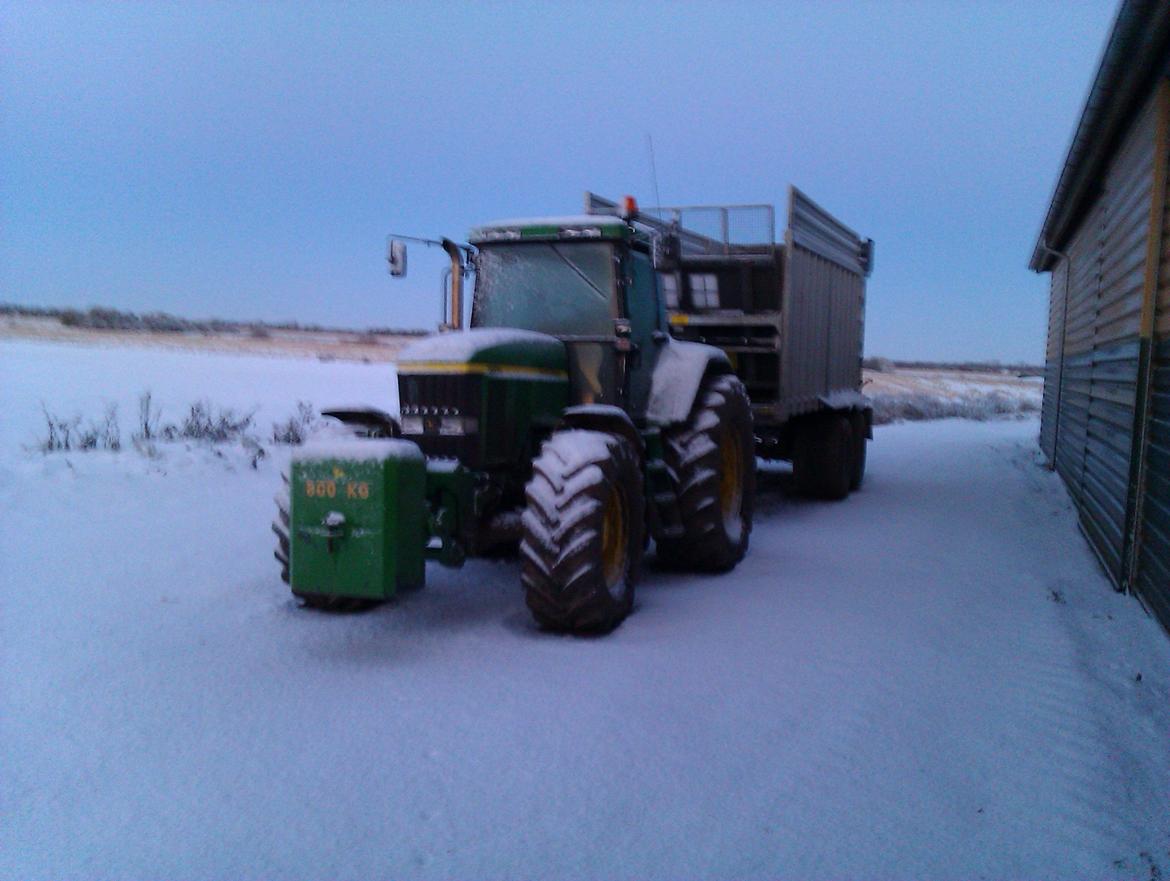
(678, 374)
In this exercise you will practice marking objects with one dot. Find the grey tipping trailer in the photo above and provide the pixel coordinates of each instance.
(790, 315)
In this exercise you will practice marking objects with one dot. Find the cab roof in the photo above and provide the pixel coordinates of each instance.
(576, 226)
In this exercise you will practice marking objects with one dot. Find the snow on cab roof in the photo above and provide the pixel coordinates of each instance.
(563, 220)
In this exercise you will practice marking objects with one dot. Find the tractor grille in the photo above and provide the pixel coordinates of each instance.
(427, 401)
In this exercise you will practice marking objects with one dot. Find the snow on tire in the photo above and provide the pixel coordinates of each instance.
(712, 462)
(581, 545)
(281, 528)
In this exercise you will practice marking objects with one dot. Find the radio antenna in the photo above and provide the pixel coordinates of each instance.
(653, 170)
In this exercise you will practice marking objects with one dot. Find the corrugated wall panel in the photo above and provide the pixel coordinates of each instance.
(1153, 570)
(1109, 431)
(1076, 380)
(1053, 363)
(1152, 575)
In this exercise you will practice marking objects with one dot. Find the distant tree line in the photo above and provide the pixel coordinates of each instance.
(889, 365)
(105, 318)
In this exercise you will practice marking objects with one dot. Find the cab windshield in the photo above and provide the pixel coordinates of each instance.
(559, 288)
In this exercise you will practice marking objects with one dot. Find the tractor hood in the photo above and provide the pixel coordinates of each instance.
(488, 347)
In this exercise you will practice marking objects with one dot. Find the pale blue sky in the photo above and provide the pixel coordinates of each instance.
(246, 161)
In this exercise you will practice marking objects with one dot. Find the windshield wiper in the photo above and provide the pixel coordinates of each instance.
(573, 266)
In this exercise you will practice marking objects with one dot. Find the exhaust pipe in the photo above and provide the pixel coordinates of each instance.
(453, 252)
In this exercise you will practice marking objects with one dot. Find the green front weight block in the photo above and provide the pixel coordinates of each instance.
(358, 518)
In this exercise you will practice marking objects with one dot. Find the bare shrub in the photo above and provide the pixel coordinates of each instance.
(103, 434)
(204, 422)
(148, 419)
(59, 433)
(297, 428)
(68, 434)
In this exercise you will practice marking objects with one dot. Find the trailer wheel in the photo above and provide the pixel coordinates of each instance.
(823, 457)
(581, 545)
(857, 429)
(712, 461)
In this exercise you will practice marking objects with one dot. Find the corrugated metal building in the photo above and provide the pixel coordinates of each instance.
(1105, 425)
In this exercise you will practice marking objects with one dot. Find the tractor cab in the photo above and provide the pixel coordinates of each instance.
(588, 281)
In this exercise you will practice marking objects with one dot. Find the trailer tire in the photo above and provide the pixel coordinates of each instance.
(581, 544)
(857, 426)
(823, 458)
(711, 459)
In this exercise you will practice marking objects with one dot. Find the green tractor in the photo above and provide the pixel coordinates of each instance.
(566, 421)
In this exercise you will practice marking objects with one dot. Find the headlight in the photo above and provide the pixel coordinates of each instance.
(450, 425)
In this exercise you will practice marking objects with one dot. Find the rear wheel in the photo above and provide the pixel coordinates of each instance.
(581, 546)
(712, 461)
(823, 457)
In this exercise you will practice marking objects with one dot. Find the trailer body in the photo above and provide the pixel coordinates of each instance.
(789, 314)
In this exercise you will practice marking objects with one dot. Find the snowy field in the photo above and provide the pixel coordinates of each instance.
(929, 680)
(909, 394)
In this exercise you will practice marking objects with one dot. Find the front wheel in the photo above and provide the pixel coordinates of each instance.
(581, 547)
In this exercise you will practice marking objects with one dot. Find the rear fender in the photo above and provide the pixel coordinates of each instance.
(678, 373)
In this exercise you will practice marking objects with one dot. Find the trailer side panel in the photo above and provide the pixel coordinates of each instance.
(823, 307)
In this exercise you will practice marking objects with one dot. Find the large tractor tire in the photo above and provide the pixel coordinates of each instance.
(581, 545)
(857, 426)
(712, 462)
(280, 526)
(823, 457)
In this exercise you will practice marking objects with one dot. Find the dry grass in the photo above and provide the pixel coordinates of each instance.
(326, 345)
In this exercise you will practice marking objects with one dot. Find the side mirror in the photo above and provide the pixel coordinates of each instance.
(396, 257)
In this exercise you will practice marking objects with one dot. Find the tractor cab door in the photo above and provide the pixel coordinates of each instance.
(647, 318)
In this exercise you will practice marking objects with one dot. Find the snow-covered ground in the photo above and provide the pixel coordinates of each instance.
(928, 680)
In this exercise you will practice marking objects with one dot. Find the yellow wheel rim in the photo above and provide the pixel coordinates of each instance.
(614, 539)
(731, 482)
